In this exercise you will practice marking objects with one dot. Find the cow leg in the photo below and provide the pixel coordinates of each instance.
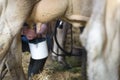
(112, 51)
(102, 42)
(14, 60)
(94, 41)
(93, 38)
(11, 21)
(14, 69)
(61, 36)
(103, 55)
(55, 49)
(97, 69)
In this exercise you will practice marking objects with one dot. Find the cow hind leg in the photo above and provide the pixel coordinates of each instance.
(97, 69)
(14, 60)
(102, 61)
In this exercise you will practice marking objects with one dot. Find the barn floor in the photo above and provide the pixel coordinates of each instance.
(53, 71)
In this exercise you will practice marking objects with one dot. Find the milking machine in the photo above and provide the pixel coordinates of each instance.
(39, 54)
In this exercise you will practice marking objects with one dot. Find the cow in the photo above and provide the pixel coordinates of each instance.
(101, 37)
